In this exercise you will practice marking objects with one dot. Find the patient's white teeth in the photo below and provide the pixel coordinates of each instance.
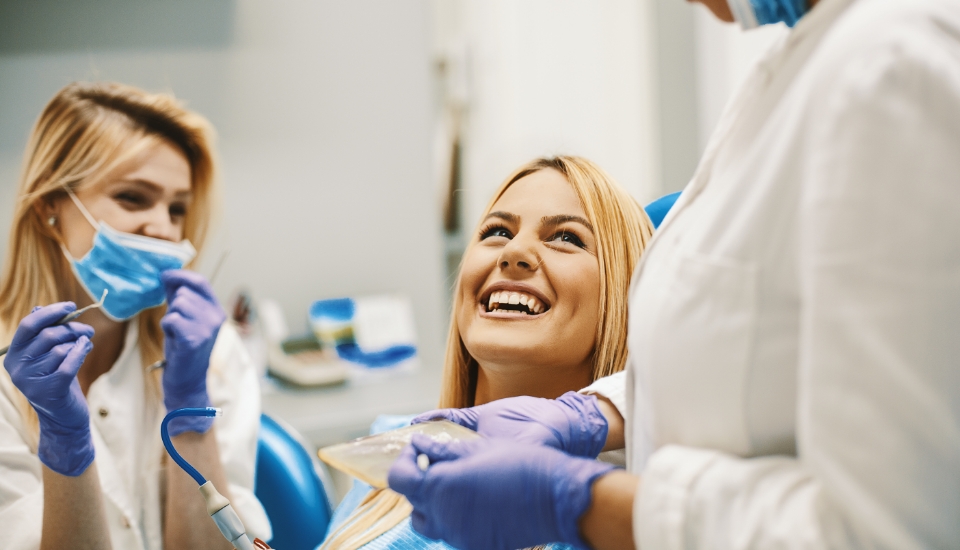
(501, 297)
(514, 298)
(523, 299)
(534, 307)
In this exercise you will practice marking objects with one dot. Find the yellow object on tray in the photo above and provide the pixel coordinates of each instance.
(369, 458)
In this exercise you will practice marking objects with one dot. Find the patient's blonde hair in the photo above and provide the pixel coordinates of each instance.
(622, 230)
(85, 133)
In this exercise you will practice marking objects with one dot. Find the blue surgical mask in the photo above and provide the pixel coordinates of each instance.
(128, 266)
(753, 13)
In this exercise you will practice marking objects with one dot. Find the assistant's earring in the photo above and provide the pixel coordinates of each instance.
(52, 221)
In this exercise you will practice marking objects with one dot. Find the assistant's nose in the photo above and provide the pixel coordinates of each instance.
(160, 225)
(519, 254)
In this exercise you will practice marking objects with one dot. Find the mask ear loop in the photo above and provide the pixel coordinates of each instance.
(86, 214)
(82, 208)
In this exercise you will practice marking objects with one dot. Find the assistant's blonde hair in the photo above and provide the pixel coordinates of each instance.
(85, 133)
(622, 230)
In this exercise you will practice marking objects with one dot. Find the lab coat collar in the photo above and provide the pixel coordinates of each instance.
(815, 23)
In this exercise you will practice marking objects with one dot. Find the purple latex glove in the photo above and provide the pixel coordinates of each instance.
(572, 423)
(43, 362)
(495, 494)
(190, 326)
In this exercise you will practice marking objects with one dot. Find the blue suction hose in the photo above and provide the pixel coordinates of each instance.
(165, 436)
(218, 506)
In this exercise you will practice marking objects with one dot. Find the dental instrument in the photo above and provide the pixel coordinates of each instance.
(218, 506)
(69, 317)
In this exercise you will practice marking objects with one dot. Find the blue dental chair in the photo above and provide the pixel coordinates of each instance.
(657, 210)
(291, 488)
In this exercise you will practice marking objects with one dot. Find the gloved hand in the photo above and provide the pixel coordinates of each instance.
(492, 493)
(43, 362)
(190, 326)
(572, 423)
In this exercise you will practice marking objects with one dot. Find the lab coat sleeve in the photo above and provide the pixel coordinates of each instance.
(612, 387)
(878, 417)
(233, 386)
(21, 486)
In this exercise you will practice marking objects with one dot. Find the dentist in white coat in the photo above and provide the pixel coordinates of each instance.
(794, 379)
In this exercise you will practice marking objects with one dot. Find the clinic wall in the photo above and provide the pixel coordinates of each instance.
(547, 77)
(324, 112)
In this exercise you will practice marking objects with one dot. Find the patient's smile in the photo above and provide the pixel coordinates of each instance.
(503, 302)
(510, 300)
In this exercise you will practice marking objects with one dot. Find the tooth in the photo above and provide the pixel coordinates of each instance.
(496, 297)
(535, 307)
(490, 303)
(523, 299)
(514, 298)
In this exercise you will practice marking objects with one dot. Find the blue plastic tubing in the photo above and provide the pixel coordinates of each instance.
(165, 436)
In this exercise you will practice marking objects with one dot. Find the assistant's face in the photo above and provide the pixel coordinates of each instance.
(530, 287)
(150, 196)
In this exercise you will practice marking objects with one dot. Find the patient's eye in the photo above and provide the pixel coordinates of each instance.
(495, 231)
(567, 237)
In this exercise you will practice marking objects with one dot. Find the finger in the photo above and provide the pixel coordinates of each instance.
(405, 476)
(176, 278)
(171, 323)
(51, 337)
(75, 357)
(440, 451)
(39, 319)
(468, 418)
(81, 329)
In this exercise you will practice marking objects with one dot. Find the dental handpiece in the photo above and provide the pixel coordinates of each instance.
(70, 317)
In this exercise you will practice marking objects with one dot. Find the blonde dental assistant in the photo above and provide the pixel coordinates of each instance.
(116, 185)
(792, 380)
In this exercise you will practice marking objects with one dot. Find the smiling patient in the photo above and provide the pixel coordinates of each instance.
(539, 310)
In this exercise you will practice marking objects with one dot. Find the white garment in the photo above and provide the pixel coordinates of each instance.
(125, 423)
(612, 387)
(795, 323)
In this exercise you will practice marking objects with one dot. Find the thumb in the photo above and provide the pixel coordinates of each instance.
(405, 477)
(441, 451)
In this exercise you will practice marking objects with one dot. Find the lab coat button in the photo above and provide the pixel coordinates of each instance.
(126, 522)
(103, 412)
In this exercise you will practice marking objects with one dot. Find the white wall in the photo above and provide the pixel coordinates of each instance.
(543, 77)
(324, 111)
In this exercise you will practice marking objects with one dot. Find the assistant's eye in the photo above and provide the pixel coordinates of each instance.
(568, 237)
(178, 210)
(131, 200)
(495, 231)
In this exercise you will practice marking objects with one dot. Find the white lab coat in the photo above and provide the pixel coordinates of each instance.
(125, 423)
(794, 373)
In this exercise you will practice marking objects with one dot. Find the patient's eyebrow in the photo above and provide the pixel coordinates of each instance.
(506, 216)
(562, 218)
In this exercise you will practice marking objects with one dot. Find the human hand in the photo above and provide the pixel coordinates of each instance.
(43, 362)
(494, 493)
(190, 326)
(572, 423)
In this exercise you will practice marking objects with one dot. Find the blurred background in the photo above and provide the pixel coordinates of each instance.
(360, 139)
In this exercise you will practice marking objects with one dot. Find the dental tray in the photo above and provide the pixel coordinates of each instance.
(369, 458)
